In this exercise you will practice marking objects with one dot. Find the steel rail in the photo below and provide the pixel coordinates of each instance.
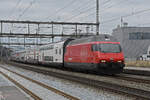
(34, 96)
(134, 79)
(137, 72)
(45, 86)
(139, 93)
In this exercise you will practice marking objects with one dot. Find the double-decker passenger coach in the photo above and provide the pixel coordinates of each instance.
(100, 53)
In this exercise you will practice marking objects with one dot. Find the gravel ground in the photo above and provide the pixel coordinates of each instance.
(38, 90)
(107, 79)
(78, 90)
(5, 82)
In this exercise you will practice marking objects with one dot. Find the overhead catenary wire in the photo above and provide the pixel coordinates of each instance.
(108, 8)
(91, 14)
(80, 13)
(14, 8)
(79, 7)
(111, 6)
(59, 10)
(82, 6)
(103, 3)
(124, 16)
(26, 9)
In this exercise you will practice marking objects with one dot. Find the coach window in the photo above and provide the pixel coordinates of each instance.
(56, 51)
(52, 58)
(60, 51)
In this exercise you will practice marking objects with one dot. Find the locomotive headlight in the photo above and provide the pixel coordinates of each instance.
(119, 61)
(103, 61)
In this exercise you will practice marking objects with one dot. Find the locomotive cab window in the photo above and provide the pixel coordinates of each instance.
(110, 48)
(107, 48)
(94, 47)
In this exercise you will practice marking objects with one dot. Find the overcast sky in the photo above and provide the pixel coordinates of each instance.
(77, 11)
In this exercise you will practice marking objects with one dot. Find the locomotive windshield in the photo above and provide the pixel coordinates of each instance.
(107, 48)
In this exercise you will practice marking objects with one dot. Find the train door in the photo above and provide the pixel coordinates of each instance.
(58, 54)
(57, 57)
(42, 56)
(84, 53)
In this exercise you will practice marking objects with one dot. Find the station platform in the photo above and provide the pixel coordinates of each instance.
(137, 70)
(8, 91)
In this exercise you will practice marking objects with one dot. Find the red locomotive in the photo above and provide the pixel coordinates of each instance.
(101, 53)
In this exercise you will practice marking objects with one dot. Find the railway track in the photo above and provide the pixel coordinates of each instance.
(134, 79)
(34, 96)
(138, 93)
(37, 82)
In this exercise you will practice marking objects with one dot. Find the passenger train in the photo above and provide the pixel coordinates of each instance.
(97, 53)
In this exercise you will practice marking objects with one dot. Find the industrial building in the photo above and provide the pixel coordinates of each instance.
(134, 40)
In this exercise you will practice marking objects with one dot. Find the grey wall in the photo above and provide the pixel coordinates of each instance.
(132, 48)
